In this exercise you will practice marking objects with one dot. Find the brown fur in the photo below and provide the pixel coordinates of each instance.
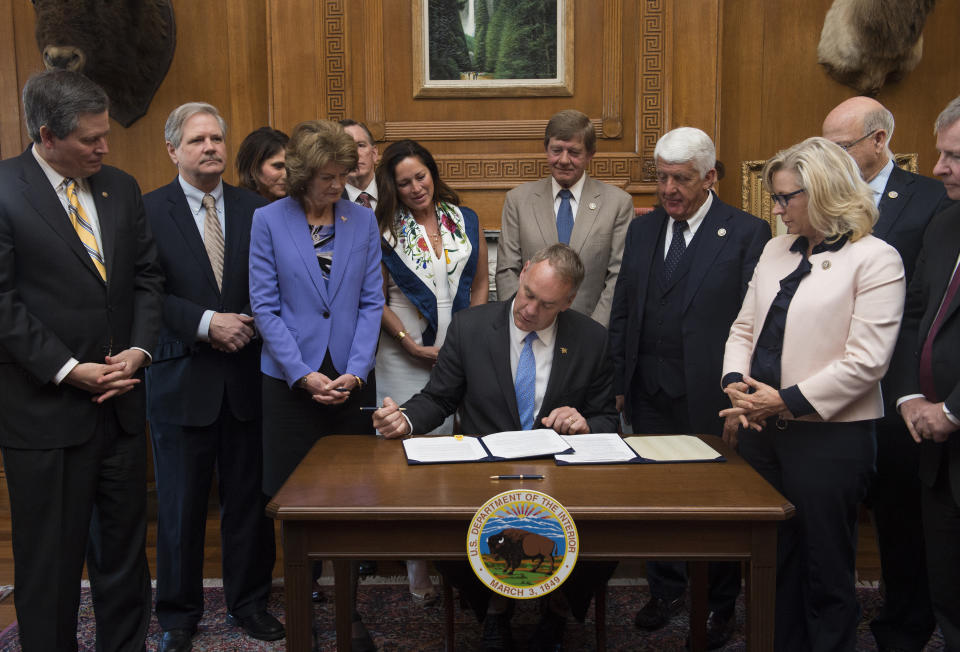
(866, 43)
(513, 545)
(125, 46)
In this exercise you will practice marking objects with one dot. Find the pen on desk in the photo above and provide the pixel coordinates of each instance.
(374, 408)
(516, 477)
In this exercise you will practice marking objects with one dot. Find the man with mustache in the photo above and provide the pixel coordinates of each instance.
(203, 391)
(568, 207)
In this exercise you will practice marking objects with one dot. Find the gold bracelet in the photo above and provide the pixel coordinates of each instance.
(399, 336)
(359, 381)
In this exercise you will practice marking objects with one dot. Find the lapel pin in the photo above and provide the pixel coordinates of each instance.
(104, 194)
(826, 264)
(343, 218)
(563, 350)
(893, 194)
(721, 232)
(592, 206)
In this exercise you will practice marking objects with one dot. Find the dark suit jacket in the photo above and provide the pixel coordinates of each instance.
(54, 305)
(188, 378)
(473, 374)
(730, 242)
(905, 215)
(941, 245)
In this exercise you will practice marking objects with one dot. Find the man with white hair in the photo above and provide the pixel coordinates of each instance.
(685, 270)
(863, 128)
(926, 370)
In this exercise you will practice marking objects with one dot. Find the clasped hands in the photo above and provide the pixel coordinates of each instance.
(390, 422)
(112, 378)
(329, 392)
(750, 410)
(926, 420)
(230, 331)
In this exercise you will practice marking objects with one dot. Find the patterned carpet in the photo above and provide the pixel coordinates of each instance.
(397, 624)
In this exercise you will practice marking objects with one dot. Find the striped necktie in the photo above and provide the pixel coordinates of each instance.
(81, 224)
(213, 238)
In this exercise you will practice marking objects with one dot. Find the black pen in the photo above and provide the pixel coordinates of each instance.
(374, 408)
(516, 477)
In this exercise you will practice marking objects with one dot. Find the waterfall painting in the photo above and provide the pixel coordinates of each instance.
(484, 48)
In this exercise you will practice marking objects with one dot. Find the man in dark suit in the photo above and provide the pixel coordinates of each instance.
(926, 368)
(361, 184)
(864, 127)
(79, 311)
(568, 389)
(685, 271)
(203, 389)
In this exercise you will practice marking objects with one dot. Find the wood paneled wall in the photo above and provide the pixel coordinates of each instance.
(774, 94)
(745, 71)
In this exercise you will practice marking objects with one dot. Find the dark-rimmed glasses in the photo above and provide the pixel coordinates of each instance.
(858, 140)
(784, 199)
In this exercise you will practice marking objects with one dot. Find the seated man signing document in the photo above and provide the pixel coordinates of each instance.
(520, 364)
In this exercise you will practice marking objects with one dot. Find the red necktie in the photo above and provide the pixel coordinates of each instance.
(926, 353)
(364, 199)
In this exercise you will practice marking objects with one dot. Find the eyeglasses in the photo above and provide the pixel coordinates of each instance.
(858, 140)
(784, 199)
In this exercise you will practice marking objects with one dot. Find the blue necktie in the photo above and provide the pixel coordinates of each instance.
(525, 384)
(564, 217)
(677, 246)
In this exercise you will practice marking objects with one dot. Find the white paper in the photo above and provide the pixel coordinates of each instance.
(515, 444)
(672, 448)
(443, 449)
(596, 448)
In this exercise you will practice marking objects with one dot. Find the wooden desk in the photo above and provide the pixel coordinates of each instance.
(354, 497)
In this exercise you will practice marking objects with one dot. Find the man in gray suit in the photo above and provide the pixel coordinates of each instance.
(568, 207)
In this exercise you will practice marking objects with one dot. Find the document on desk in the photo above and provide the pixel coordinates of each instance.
(597, 448)
(673, 448)
(437, 450)
(516, 444)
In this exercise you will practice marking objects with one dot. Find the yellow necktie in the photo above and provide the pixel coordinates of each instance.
(81, 223)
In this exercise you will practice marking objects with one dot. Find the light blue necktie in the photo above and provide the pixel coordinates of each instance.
(525, 384)
(564, 217)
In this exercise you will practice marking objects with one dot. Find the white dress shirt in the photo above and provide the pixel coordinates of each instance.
(195, 201)
(692, 224)
(353, 192)
(576, 190)
(542, 354)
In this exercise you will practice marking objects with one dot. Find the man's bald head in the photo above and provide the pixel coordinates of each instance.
(864, 128)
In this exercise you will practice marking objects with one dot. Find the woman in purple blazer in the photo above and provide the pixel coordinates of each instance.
(315, 291)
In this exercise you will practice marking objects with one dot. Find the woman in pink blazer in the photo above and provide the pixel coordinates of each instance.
(802, 368)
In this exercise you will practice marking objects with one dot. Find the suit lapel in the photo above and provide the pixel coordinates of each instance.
(498, 347)
(559, 371)
(107, 218)
(895, 197)
(38, 192)
(543, 212)
(588, 209)
(646, 253)
(345, 229)
(233, 237)
(182, 217)
(709, 243)
(947, 263)
(299, 232)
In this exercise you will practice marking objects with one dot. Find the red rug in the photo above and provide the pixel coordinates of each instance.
(397, 624)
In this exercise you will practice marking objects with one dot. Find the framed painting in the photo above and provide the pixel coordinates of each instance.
(492, 48)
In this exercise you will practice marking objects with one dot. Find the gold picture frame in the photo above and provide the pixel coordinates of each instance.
(476, 84)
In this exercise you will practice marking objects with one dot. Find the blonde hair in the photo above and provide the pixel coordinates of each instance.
(839, 201)
(314, 144)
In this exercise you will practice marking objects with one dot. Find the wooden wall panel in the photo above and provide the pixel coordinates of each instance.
(774, 94)
(221, 58)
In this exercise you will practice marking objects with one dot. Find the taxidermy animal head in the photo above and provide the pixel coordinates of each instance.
(866, 43)
(125, 46)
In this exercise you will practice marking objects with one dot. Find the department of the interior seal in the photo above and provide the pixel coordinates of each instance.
(522, 544)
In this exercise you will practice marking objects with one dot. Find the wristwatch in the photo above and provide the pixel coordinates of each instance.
(301, 382)
(400, 335)
(359, 381)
